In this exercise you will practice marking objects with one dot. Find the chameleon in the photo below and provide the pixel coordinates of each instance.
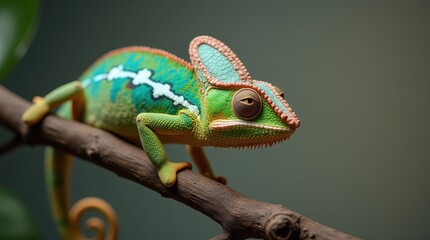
(151, 97)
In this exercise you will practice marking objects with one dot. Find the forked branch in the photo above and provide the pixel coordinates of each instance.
(239, 216)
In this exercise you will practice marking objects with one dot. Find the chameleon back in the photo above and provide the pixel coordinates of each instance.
(132, 80)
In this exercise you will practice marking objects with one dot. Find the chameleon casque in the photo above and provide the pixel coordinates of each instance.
(150, 97)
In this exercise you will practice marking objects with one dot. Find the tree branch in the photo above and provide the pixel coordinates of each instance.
(239, 216)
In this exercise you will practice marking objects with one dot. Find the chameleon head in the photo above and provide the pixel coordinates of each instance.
(240, 112)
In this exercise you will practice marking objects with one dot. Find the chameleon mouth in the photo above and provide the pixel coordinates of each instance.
(228, 124)
(260, 145)
(271, 136)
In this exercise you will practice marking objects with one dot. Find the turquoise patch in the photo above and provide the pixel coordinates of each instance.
(117, 85)
(217, 64)
(181, 80)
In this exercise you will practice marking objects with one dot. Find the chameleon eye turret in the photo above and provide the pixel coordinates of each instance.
(246, 104)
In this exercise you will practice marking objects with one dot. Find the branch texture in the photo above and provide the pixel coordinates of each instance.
(239, 216)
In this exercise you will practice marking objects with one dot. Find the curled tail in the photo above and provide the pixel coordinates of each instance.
(92, 203)
(67, 219)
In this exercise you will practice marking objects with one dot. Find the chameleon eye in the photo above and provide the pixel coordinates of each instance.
(246, 104)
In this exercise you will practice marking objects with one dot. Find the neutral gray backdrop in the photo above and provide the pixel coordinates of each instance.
(356, 73)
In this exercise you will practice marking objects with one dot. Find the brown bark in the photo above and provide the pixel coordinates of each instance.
(239, 216)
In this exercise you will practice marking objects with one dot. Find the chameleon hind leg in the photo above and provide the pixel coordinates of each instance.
(151, 124)
(199, 157)
(58, 165)
(42, 106)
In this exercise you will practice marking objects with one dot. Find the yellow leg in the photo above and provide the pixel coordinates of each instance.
(202, 163)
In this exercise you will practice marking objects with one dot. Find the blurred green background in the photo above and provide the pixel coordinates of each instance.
(356, 73)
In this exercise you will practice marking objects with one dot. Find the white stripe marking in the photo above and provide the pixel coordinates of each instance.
(143, 77)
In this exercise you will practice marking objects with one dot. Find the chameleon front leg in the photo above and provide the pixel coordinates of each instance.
(151, 124)
(202, 163)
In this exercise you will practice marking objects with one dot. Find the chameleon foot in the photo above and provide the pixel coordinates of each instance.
(219, 179)
(167, 173)
(36, 112)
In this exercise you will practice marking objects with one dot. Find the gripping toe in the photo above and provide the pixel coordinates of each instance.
(35, 113)
(168, 172)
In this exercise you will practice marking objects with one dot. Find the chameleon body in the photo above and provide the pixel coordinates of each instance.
(151, 97)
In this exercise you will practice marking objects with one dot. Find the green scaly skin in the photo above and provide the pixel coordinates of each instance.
(151, 97)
